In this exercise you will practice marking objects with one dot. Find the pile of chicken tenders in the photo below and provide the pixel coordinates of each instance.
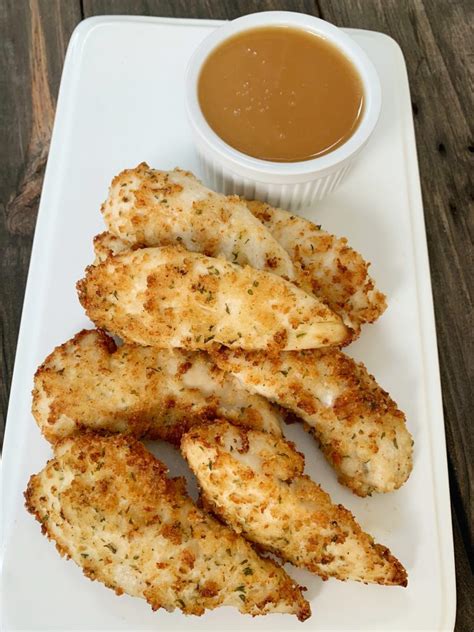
(216, 318)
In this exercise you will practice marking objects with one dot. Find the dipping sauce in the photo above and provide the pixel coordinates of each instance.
(281, 94)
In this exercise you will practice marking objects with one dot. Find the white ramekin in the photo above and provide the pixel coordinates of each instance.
(291, 185)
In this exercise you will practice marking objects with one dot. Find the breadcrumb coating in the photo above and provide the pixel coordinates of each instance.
(88, 382)
(358, 426)
(255, 483)
(326, 265)
(161, 208)
(170, 297)
(107, 503)
(147, 207)
(107, 245)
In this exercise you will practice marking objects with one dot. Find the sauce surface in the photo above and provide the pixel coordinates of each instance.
(280, 94)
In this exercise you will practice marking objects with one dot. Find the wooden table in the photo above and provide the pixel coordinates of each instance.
(435, 38)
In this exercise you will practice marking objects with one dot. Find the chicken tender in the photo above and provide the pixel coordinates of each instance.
(147, 207)
(159, 208)
(332, 270)
(107, 503)
(358, 426)
(255, 483)
(156, 393)
(169, 297)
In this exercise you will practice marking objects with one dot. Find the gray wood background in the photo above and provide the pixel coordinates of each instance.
(436, 38)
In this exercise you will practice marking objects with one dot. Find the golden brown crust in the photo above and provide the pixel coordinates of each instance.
(88, 382)
(169, 297)
(162, 208)
(358, 426)
(147, 207)
(106, 245)
(255, 483)
(326, 265)
(108, 505)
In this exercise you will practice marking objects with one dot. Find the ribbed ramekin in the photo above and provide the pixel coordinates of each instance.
(291, 185)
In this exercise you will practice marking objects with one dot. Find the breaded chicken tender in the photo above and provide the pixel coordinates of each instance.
(358, 426)
(332, 270)
(147, 207)
(159, 208)
(107, 503)
(88, 382)
(170, 297)
(255, 483)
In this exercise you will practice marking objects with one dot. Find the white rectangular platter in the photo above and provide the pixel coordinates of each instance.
(121, 102)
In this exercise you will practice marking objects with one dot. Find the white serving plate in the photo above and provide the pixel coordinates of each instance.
(121, 102)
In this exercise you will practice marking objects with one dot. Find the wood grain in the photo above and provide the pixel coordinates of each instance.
(435, 36)
(209, 9)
